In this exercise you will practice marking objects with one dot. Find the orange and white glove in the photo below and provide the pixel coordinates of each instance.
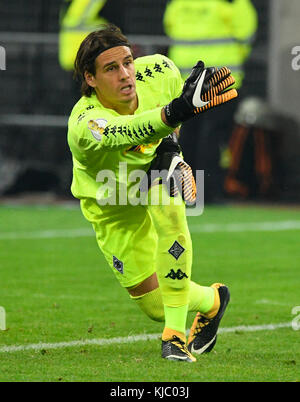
(204, 89)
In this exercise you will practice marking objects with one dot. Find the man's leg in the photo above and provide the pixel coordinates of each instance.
(174, 257)
(209, 303)
(173, 268)
(148, 297)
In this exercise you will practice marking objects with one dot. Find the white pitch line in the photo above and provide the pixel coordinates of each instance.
(272, 302)
(132, 338)
(194, 228)
(48, 234)
(246, 227)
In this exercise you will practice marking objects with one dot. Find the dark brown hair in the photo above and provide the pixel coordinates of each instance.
(95, 43)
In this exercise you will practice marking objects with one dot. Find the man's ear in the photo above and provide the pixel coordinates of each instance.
(90, 79)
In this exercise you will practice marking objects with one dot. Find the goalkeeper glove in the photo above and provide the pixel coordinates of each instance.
(203, 90)
(171, 170)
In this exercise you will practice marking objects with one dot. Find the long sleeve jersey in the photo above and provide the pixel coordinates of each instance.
(101, 140)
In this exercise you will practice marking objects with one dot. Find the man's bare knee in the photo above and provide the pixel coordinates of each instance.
(146, 286)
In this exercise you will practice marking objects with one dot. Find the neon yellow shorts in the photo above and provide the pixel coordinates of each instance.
(128, 241)
(130, 236)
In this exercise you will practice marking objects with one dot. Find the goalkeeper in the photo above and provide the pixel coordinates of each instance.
(126, 116)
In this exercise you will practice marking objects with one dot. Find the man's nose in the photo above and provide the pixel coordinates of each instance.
(123, 73)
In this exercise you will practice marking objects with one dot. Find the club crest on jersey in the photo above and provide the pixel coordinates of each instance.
(97, 127)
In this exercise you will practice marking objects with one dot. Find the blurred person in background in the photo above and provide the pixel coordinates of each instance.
(219, 32)
(80, 17)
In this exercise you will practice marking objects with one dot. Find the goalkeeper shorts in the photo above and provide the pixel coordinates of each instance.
(128, 240)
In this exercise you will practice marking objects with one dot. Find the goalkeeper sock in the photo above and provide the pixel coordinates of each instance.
(216, 305)
(151, 304)
(175, 320)
(174, 255)
(201, 298)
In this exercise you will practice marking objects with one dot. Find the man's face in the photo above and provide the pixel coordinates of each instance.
(114, 79)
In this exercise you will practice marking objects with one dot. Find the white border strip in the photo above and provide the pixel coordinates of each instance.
(132, 338)
(196, 228)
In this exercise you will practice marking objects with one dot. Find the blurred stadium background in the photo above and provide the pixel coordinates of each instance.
(37, 95)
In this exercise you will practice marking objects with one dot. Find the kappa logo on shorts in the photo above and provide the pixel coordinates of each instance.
(176, 250)
(118, 265)
(176, 275)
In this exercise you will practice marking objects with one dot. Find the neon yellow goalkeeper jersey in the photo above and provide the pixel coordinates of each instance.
(100, 139)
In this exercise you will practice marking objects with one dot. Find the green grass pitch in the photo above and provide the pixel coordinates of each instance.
(60, 296)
